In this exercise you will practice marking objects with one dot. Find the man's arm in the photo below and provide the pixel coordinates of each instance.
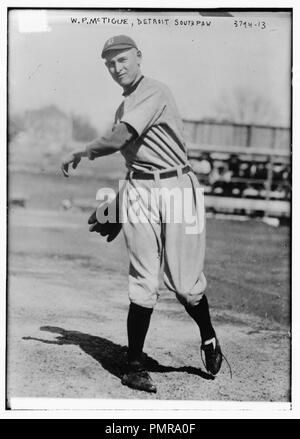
(111, 142)
(115, 140)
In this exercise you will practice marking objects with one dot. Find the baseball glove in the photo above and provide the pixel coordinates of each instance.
(107, 228)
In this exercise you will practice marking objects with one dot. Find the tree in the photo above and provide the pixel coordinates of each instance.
(15, 125)
(246, 106)
(83, 131)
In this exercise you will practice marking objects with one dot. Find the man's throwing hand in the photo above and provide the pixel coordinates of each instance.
(73, 159)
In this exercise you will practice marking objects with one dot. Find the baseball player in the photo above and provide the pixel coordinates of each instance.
(148, 132)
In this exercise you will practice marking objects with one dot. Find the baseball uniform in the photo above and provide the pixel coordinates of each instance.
(151, 111)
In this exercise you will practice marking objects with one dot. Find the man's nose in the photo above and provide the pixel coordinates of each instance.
(118, 68)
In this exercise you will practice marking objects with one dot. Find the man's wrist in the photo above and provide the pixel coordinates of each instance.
(79, 154)
(88, 152)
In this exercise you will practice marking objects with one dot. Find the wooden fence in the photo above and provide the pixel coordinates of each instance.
(225, 134)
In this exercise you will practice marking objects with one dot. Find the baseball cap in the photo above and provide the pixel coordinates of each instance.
(118, 42)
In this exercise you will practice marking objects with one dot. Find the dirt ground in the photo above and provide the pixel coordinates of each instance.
(67, 309)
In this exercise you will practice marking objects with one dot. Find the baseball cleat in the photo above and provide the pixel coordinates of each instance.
(138, 378)
(213, 356)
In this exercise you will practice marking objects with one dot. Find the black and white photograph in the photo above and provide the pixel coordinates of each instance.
(149, 202)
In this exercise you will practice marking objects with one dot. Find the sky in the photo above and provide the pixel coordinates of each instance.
(55, 61)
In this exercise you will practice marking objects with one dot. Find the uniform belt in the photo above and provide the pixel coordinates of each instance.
(163, 174)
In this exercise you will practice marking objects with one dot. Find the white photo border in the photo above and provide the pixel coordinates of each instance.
(41, 409)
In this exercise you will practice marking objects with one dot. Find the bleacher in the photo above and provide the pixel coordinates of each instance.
(244, 169)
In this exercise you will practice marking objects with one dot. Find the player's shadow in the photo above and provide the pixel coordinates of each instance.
(110, 355)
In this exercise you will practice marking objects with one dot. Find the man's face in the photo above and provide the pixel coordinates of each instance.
(124, 66)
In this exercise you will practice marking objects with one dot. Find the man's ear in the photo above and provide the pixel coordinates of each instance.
(139, 55)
